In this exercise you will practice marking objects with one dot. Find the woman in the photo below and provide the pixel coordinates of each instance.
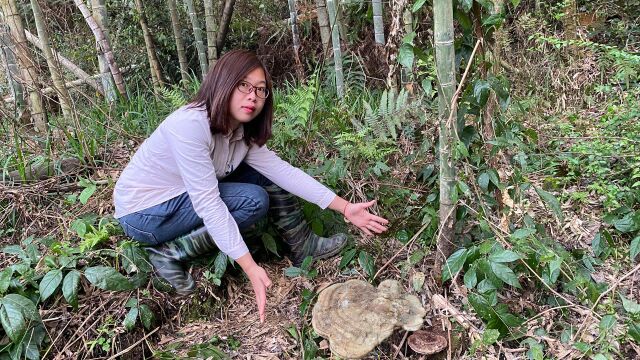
(205, 175)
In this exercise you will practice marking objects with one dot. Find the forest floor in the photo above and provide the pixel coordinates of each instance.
(223, 319)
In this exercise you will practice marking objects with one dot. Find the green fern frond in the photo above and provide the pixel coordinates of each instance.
(175, 96)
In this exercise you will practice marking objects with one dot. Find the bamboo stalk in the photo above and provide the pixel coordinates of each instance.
(212, 31)
(323, 23)
(52, 62)
(7, 50)
(293, 19)
(25, 59)
(445, 69)
(177, 35)
(378, 24)
(100, 15)
(197, 34)
(337, 52)
(104, 45)
(227, 13)
(154, 64)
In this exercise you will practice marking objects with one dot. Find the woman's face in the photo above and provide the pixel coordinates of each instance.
(245, 107)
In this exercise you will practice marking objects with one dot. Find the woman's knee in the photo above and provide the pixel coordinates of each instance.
(261, 198)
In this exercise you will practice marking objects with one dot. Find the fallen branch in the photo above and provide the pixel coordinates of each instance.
(133, 345)
(75, 69)
(44, 170)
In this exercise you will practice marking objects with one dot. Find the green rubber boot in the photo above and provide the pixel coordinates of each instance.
(168, 258)
(289, 220)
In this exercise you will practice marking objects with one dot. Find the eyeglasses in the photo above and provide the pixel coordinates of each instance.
(246, 87)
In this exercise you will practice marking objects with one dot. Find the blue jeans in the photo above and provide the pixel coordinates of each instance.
(242, 191)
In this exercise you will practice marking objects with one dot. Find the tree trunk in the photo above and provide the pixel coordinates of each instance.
(8, 49)
(73, 68)
(378, 24)
(323, 24)
(446, 73)
(212, 31)
(293, 19)
(100, 14)
(25, 58)
(227, 13)
(175, 25)
(104, 45)
(197, 34)
(337, 52)
(154, 64)
(52, 63)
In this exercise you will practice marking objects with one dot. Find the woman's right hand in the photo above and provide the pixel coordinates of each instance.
(259, 281)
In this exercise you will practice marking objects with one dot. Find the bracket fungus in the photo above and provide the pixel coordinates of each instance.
(355, 316)
(427, 342)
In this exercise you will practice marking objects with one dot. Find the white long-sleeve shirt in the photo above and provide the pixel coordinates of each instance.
(182, 155)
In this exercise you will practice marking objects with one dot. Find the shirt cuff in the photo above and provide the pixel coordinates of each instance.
(326, 199)
(238, 251)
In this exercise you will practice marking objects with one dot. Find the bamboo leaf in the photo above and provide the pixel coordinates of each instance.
(49, 283)
(418, 5)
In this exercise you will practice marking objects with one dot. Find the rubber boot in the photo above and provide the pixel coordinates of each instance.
(167, 258)
(287, 216)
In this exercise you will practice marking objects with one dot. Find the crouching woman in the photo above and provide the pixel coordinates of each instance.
(205, 176)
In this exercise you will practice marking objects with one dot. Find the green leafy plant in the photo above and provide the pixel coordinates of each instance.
(35, 278)
(137, 312)
(304, 270)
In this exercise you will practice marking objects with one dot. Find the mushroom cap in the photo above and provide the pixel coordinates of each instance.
(355, 316)
(427, 342)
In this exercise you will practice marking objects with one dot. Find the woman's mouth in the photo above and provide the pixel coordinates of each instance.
(248, 109)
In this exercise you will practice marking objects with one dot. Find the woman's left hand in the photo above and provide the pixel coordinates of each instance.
(359, 216)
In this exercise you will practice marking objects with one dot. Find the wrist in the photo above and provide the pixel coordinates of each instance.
(344, 212)
(344, 209)
(247, 263)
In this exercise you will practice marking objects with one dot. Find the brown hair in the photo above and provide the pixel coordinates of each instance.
(217, 88)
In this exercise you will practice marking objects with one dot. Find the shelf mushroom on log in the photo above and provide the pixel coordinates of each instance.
(356, 317)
